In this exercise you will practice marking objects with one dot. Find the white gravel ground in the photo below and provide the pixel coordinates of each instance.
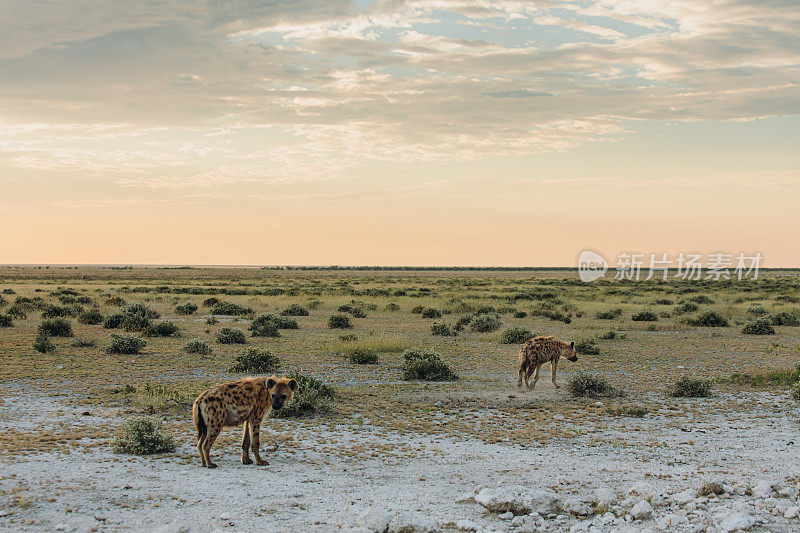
(326, 477)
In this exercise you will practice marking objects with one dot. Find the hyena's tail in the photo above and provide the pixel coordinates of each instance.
(199, 423)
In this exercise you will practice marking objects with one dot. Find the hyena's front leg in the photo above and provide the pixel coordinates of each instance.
(535, 377)
(522, 376)
(553, 365)
(246, 444)
(255, 436)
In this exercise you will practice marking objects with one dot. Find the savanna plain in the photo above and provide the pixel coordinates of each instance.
(681, 413)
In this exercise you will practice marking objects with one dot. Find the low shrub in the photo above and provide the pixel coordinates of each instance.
(312, 397)
(784, 319)
(687, 387)
(255, 361)
(295, 310)
(611, 314)
(269, 324)
(162, 329)
(83, 343)
(361, 356)
(463, 322)
(761, 326)
(664, 301)
(56, 327)
(113, 321)
(554, 315)
(197, 346)
(644, 316)
(91, 317)
(188, 308)
(230, 309)
(587, 347)
(16, 311)
(142, 436)
(211, 302)
(6, 321)
(611, 335)
(42, 344)
(756, 310)
(773, 377)
(314, 304)
(686, 307)
(392, 307)
(418, 309)
(443, 329)
(430, 312)
(520, 314)
(583, 384)
(126, 344)
(709, 319)
(231, 336)
(348, 337)
(355, 310)
(140, 309)
(117, 301)
(339, 321)
(795, 391)
(701, 299)
(426, 365)
(55, 311)
(485, 323)
(135, 322)
(787, 299)
(516, 335)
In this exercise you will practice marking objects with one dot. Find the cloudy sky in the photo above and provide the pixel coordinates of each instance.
(438, 132)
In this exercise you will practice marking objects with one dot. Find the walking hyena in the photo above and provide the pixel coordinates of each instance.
(248, 400)
(539, 350)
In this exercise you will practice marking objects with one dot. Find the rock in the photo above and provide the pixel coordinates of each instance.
(736, 521)
(374, 519)
(64, 527)
(405, 522)
(642, 510)
(172, 528)
(466, 498)
(684, 497)
(711, 488)
(761, 489)
(506, 516)
(788, 492)
(576, 507)
(604, 498)
(792, 512)
(224, 516)
(518, 500)
(643, 490)
(583, 525)
(467, 525)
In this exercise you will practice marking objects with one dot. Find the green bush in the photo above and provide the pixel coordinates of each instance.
(117, 301)
(295, 310)
(418, 309)
(485, 323)
(339, 321)
(211, 302)
(16, 311)
(312, 397)
(756, 310)
(6, 321)
(430, 312)
(784, 319)
(162, 329)
(231, 336)
(587, 347)
(188, 308)
(611, 335)
(443, 329)
(583, 384)
(230, 309)
(426, 365)
(83, 343)
(701, 299)
(135, 322)
(554, 314)
(198, 346)
(644, 316)
(362, 356)
(795, 391)
(485, 310)
(686, 307)
(348, 337)
(92, 317)
(42, 344)
(463, 321)
(516, 335)
(355, 310)
(611, 314)
(664, 301)
(520, 314)
(54, 311)
(57, 327)
(687, 387)
(255, 361)
(761, 326)
(264, 328)
(391, 306)
(126, 344)
(142, 436)
(709, 319)
(140, 309)
(773, 377)
(113, 321)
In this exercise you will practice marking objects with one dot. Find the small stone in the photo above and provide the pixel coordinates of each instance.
(224, 516)
(736, 521)
(576, 507)
(517, 499)
(642, 510)
(405, 522)
(684, 497)
(506, 516)
(761, 489)
(63, 527)
(604, 498)
(792, 512)
(467, 525)
(374, 519)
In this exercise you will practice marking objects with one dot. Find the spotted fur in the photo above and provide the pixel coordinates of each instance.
(246, 401)
(538, 351)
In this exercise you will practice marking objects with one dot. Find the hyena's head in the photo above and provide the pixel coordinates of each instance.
(570, 352)
(281, 390)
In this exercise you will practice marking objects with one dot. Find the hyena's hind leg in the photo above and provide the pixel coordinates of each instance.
(522, 375)
(213, 432)
(246, 444)
(535, 377)
(200, 443)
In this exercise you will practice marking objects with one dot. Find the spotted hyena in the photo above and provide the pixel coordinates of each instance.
(248, 400)
(539, 350)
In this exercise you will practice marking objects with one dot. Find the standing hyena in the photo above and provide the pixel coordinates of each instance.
(539, 350)
(248, 400)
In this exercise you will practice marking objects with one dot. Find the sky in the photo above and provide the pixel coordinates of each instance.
(397, 132)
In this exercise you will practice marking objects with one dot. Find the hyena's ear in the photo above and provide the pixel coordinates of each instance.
(572, 346)
(271, 383)
(293, 385)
